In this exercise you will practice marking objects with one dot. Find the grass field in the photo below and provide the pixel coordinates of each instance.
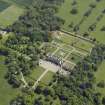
(49, 48)
(61, 53)
(47, 78)
(10, 15)
(100, 75)
(78, 54)
(75, 19)
(68, 39)
(65, 9)
(34, 75)
(74, 58)
(68, 48)
(6, 91)
(84, 45)
(3, 5)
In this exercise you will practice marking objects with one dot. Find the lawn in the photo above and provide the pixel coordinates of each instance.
(97, 33)
(100, 35)
(74, 58)
(61, 53)
(35, 74)
(3, 5)
(82, 51)
(84, 45)
(79, 54)
(50, 48)
(6, 91)
(47, 78)
(100, 75)
(78, 19)
(10, 15)
(67, 48)
(68, 39)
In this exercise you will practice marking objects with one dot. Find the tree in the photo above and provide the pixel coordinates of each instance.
(39, 19)
(103, 101)
(101, 84)
(1, 36)
(74, 11)
(18, 101)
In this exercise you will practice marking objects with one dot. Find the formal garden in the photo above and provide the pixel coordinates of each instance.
(68, 48)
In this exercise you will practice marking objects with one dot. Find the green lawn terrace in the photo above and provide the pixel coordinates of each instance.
(88, 17)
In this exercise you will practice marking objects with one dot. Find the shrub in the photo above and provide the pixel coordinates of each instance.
(74, 11)
(101, 84)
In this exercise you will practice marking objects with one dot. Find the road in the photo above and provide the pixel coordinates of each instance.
(39, 79)
(23, 80)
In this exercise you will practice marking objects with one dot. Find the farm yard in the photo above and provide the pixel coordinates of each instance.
(84, 17)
